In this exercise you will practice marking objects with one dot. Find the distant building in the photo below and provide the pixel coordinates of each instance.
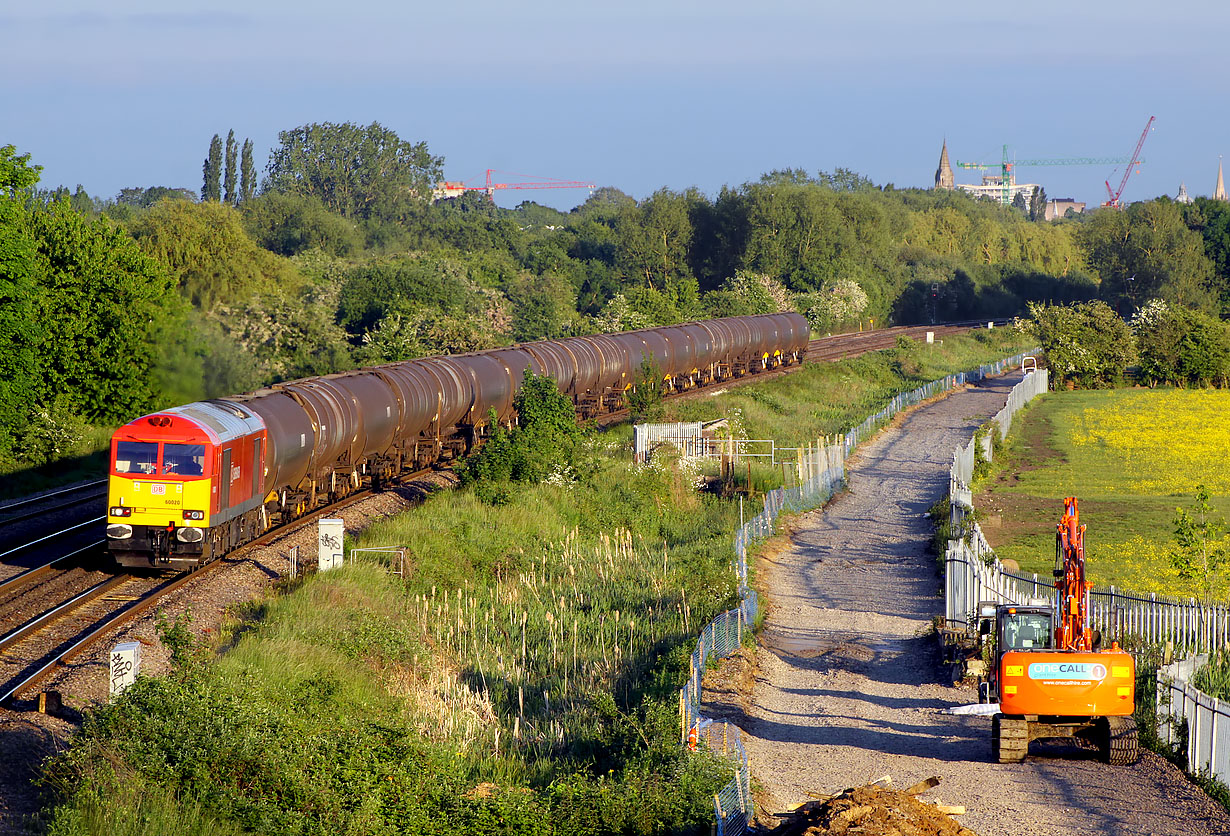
(992, 188)
(1183, 196)
(1059, 207)
(943, 174)
(1219, 193)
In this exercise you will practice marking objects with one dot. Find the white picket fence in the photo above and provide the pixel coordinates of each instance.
(1207, 719)
(973, 574)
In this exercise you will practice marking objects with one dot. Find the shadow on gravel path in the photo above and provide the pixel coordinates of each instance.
(848, 683)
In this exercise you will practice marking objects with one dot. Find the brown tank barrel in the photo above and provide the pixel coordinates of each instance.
(554, 360)
(611, 363)
(800, 331)
(703, 348)
(332, 416)
(375, 409)
(454, 391)
(683, 349)
(517, 359)
(414, 388)
(290, 436)
(493, 387)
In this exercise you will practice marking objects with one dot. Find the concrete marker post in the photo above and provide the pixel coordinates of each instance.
(329, 536)
(125, 664)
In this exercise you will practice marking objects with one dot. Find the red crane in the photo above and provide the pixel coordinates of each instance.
(455, 188)
(1115, 195)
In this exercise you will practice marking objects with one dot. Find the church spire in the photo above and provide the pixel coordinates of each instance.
(1219, 193)
(943, 174)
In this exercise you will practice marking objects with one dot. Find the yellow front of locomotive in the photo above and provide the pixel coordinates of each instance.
(160, 493)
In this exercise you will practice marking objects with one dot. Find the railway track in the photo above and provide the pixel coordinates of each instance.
(49, 503)
(32, 650)
(57, 634)
(88, 609)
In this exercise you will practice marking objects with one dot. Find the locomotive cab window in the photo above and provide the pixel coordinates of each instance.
(183, 459)
(136, 457)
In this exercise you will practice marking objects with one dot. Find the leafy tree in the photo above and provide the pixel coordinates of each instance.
(644, 399)
(1201, 537)
(1147, 252)
(844, 180)
(20, 383)
(358, 172)
(101, 305)
(839, 303)
(605, 202)
(653, 239)
(247, 173)
(407, 331)
(209, 255)
(144, 198)
(211, 189)
(371, 292)
(1181, 346)
(1211, 218)
(749, 293)
(1086, 344)
(545, 442)
(16, 173)
(289, 224)
(1019, 203)
(543, 307)
(231, 196)
(1037, 204)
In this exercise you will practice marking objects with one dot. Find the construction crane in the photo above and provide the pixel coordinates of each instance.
(455, 188)
(1006, 167)
(1113, 202)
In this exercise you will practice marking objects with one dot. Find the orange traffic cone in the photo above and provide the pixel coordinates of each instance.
(692, 737)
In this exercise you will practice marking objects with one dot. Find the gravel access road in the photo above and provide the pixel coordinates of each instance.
(848, 682)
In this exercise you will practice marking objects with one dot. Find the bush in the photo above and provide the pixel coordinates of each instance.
(1087, 345)
(544, 443)
(1181, 346)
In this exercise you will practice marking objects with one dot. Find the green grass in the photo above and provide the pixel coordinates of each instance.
(1131, 456)
(522, 678)
(827, 398)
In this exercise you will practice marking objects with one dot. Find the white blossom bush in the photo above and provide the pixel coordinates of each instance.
(838, 302)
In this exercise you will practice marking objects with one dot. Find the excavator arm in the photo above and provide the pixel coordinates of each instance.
(1073, 631)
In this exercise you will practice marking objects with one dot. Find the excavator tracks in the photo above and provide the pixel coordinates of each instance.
(1009, 739)
(1122, 747)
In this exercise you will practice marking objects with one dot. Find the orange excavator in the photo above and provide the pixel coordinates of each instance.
(1051, 676)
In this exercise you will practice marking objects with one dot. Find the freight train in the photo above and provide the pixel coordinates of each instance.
(193, 482)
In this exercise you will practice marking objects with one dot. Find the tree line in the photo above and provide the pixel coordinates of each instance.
(338, 257)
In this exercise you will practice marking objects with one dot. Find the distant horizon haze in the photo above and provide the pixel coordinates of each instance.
(641, 96)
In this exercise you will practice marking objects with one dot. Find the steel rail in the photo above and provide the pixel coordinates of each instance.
(29, 515)
(117, 618)
(60, 610)
(51, 536)
(37, 572)
(33, 499)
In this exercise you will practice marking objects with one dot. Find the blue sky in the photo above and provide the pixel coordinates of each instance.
(635, 94)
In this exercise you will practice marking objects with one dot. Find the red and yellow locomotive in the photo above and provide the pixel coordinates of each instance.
(190, 483)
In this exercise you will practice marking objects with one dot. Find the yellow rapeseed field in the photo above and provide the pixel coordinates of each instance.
(1160, 442)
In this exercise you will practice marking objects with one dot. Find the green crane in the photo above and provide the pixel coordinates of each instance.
(1006, 166)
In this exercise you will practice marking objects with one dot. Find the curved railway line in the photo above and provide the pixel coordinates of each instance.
(76, 609)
